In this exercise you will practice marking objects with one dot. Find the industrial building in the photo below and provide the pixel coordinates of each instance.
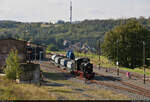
(25, 50)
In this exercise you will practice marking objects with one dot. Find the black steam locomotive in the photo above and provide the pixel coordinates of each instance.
(79, 66)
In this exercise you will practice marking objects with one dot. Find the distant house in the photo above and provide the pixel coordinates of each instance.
(67, 43)
(86, 47)
(6, 45)
(77, 46)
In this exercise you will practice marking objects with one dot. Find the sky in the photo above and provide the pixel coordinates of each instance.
(54, 10)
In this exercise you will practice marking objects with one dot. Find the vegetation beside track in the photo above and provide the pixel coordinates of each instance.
(104, 62)
(55, 89)
(12, 91)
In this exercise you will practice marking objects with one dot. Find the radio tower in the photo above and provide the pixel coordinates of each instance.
(70, 11)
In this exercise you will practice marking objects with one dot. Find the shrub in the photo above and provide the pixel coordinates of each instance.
(12, 70)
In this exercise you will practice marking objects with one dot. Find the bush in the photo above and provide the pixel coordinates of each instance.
(12, 70)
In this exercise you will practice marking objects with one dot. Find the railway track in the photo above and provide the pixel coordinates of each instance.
(129, 85)
(124, 72)
(135, 89)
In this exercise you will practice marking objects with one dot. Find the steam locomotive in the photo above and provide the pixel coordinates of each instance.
(77, 66)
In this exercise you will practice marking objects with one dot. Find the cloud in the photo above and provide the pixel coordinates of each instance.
(1, 2)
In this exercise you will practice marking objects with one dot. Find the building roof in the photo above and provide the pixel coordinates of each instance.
(12, 39)
(37, 45)
(32, 44)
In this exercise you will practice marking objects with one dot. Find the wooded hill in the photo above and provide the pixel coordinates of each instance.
(48, 33)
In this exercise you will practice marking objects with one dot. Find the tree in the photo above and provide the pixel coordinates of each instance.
(127, 41)
(12, 65)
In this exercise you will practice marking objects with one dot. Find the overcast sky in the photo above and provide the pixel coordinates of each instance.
(53, 10)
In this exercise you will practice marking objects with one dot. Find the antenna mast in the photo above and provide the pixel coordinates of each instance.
(70, 11)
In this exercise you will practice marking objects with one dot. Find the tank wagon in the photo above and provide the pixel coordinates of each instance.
(63, 63)
(78, 66)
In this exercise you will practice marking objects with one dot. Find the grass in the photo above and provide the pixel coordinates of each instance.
(12, 91)
(104, 62)
(58, 88)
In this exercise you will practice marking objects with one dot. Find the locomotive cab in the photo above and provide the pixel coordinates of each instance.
(87, 68)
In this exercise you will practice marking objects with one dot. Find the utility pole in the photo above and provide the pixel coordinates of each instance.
(70, 11)
(99, 53)
(117, 59)
(144, 61)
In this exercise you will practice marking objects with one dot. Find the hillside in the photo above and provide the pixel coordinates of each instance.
(48, 33)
